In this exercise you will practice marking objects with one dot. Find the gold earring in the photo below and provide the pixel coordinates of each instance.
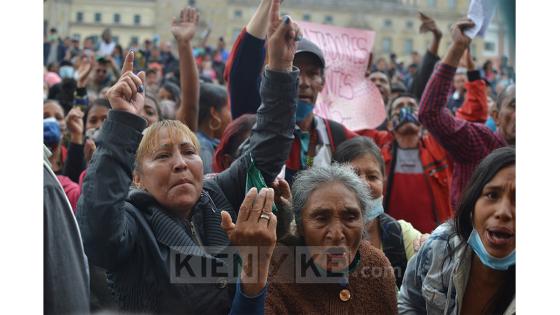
(219, 124)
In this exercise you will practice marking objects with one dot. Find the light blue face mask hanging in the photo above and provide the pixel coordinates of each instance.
(375, 210)
(488, 260)
(303, 110)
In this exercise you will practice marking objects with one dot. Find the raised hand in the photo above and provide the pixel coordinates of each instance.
(84, 70)
(184, 28)
(460, 42)
(283, 194)
(428, 25)
(457, 32)
(282, 36)
(75, 124)
(254, 233)
(256, 223)
(128, 93)
(283, 199)
(89, 149)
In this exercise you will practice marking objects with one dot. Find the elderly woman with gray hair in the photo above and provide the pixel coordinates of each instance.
(328, 267)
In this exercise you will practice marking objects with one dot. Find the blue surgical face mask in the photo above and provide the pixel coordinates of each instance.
(303, 110)
(488, 260)
(66, 72)
(406, 115)
(375, 210)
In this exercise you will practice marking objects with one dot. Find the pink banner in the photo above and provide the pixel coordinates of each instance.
(348, 96)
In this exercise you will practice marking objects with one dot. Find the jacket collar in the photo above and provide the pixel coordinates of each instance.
(174, 232)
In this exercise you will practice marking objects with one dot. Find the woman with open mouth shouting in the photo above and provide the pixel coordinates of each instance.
(468, 266)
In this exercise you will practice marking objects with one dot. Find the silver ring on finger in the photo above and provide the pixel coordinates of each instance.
(265, 216)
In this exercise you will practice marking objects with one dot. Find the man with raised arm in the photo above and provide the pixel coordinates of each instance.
(467, 142)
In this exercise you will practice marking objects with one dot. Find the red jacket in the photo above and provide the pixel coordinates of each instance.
(71, 189)
(438, 168)
(380, 137)
(475, 107)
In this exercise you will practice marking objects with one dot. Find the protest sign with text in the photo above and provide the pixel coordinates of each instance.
(348, 96)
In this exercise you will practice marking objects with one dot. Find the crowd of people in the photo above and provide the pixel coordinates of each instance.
(153, 155)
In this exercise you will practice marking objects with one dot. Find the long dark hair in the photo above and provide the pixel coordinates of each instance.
(486, 170)
(211, 95)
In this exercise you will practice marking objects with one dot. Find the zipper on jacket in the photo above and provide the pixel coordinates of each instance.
(195, 236)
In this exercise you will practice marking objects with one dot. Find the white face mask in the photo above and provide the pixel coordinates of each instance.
(375, 210)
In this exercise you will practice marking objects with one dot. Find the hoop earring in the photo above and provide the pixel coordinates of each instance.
(215, 127)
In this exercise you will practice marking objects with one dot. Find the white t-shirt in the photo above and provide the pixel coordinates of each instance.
(106, 49)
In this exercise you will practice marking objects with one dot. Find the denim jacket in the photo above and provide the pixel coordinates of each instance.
(430, 289)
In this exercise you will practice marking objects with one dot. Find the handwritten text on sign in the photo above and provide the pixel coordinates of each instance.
(348, 96)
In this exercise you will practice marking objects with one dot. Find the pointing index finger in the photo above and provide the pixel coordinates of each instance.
(128, 63)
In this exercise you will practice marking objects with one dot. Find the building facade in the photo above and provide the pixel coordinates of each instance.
(395, 22)
(129, 20)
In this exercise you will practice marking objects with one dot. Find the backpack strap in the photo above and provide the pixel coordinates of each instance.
(393, 245)
(336, 133)
(390, 176)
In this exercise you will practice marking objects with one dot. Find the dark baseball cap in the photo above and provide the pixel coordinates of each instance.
(306, 46)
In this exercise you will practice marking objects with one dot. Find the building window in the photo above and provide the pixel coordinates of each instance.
(307, 17)
(489, 46)
(97, 17)
(329, 19)
(134, 40)
(80, 17)
(387, 23)
(408, 46)
(387, 45)
(137, 19)
(192, 3)
(432, 3)
(238, 14)
(115, 39)
(409, 25)
(116, 18)
(452, 4)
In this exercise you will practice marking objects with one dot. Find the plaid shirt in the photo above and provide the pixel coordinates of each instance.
(467, 142)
